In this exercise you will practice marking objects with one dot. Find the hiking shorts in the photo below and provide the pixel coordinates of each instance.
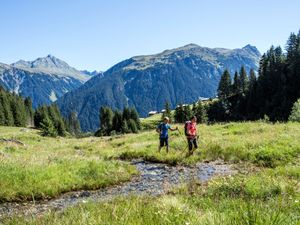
(163, 141)
(191, 142)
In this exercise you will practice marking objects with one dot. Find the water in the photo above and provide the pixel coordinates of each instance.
(155, 179)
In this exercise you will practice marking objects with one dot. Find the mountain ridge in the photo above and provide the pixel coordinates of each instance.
(178, 75)
(44, 79)
(50, 65)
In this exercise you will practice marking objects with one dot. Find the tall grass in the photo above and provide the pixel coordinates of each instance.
(262, 198)
(47, 167)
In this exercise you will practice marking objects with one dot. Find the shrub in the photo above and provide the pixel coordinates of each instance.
(295, 113)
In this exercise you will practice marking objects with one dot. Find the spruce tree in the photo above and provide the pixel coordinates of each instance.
(188, 113)
(295, 113)
(40, 113)
(252, 79)
(179, 115)
(117, 122)
(200, 112)
(106, 116)
(244, 81)
(224, 89)
(2, 117)
(18, 111)
(57, 120)
(125, 128)
(29, 111)
(135, 116)
(126, 113)
(48, 128)
(132, 126)
(167, 112)
(8, 114)
(236, 86)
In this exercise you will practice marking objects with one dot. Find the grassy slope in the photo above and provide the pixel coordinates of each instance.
(46, 167)
(257, 142)
(270, 196)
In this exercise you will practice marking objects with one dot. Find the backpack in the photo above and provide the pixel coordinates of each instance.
(186, 128)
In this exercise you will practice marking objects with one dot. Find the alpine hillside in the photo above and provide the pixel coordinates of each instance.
(44, 80)
(180, 75)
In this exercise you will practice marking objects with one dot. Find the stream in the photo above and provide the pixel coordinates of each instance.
(155, 179)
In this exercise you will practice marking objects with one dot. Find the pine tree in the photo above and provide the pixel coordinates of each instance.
(295, 113)
(217, 112)
(2, 111)
(40, 113)
(135, 116)
(2, 117)
(18, 111)
(117, 122)
(126, 113)
(8, 115)
(292, 86)
(167, 112)
(57, 120)
(200, 112)
(224, 89)
(252, 79)
(106, 116)
(48, 128)
(125, 128)
(252, 106)
(244, 82)
(179, 114)
(132, 126)
(188, 113)
(29, 111)
(236, 86)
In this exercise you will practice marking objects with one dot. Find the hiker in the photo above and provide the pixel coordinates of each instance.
(191, 134)
(162, 129)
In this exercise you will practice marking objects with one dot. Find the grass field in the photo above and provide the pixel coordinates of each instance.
(46, 167)
(270, 196)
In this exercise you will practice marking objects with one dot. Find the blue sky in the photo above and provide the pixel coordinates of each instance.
(96, 34)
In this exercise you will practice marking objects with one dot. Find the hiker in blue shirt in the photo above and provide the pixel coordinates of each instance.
(162, 129)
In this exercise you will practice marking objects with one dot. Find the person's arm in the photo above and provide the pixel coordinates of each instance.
(158, 129)
(171, 129)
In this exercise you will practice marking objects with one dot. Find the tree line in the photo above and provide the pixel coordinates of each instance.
(270, 95)
(118, 122)
(17, 111)
(185, 112)
(14, 110)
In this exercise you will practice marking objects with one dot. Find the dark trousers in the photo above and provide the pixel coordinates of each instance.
(191, 142)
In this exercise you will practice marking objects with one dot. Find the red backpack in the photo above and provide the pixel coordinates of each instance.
(186, 128)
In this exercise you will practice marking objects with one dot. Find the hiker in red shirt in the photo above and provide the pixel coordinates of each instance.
(191, 134)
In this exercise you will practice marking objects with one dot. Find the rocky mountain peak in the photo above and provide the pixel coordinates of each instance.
(252, 49)
(51, 65)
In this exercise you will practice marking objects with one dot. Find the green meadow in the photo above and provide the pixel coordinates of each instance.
(266, 192)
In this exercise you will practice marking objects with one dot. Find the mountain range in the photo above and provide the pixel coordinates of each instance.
(180, 75)
(44, 80)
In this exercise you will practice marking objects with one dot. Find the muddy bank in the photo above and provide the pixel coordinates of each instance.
(154, 179)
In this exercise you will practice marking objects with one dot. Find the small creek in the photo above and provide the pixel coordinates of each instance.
(154, 179)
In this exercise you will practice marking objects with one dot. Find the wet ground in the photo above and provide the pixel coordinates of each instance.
(154, 179)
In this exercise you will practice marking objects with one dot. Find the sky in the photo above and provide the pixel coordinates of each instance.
(96, 34)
